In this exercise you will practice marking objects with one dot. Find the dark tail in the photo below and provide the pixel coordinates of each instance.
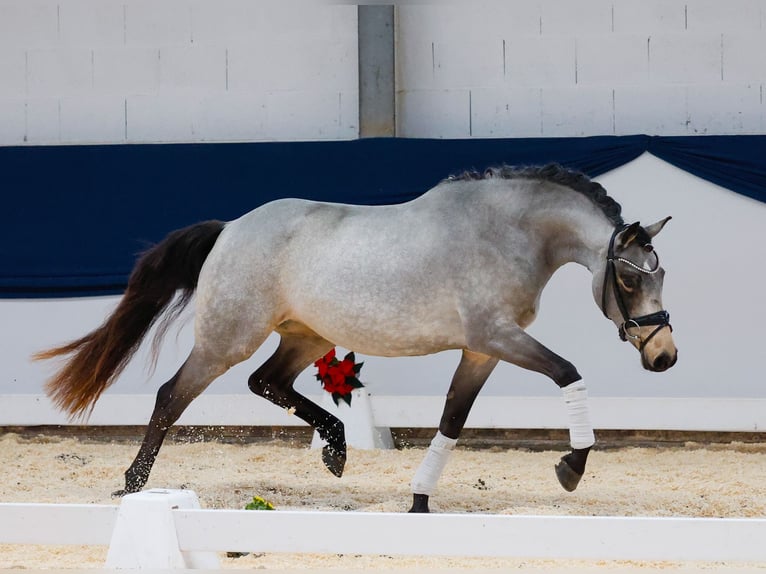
(100, 356)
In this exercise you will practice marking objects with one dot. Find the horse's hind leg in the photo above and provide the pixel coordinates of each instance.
(298, 348)
(172, 399)
(469, 378)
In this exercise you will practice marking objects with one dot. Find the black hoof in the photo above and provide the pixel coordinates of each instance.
(568, 478)
(334, 460)
(420, 504)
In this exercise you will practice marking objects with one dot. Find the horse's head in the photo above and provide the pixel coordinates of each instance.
(630, 294)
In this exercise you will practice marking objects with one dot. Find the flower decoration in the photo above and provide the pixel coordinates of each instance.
(339, 378)
(259, 503)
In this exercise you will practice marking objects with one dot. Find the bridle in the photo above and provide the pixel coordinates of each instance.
(659, 318)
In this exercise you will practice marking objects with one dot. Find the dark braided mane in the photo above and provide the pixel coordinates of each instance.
(553, 173)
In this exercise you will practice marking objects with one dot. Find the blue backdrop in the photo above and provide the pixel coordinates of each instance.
(75, 217)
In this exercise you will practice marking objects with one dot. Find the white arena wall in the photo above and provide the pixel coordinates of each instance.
(135, 71)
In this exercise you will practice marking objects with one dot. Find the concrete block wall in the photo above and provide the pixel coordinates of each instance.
(131, 71)
(557, 68)
(135, 71)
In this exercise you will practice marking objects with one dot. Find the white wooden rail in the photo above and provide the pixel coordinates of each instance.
(166, 529)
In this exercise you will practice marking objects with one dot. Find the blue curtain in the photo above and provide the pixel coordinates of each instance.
(75, 217)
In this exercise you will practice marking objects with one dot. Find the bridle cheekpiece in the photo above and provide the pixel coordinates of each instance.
(659, 318)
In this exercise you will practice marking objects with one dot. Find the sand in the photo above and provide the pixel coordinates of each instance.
(694, 480)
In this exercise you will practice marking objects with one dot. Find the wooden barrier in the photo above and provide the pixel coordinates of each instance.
(166, 529)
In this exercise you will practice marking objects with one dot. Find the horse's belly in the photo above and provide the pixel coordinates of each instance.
(388, 334)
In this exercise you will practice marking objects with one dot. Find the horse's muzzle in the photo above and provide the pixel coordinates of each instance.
(660, 363)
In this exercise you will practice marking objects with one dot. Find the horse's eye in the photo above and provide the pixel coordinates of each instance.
(630, 282)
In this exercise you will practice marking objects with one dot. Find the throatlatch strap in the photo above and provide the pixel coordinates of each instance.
(433, 464)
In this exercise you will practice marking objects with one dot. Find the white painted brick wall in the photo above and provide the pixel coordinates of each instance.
(13, 128)
(91, 119)
(671, 67)
(537, 61)
(685, 58)
(506, 112)
(649, 16)
(439, 113)
(13, 74)
(43, 120)
(651, 109)
(744, 57)
(729, 16)
(583, 17)
(113, 71)
(733, 108)
(123, 71)
(575, 111)
(91, 24)
(126, 71)
(612, 59)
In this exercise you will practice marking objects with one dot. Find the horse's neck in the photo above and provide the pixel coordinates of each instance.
(573, 232)
(583, 240)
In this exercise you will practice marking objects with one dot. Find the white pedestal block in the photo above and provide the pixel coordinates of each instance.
(358, 420)
(144, 535)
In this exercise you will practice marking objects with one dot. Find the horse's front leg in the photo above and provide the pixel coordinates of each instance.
(470, 376)
(514, 345)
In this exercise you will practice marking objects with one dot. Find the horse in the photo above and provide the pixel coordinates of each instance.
(460, 267)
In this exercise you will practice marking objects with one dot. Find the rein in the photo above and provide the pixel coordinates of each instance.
(659, 318)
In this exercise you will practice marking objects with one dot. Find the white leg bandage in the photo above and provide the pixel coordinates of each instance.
(433, 464)
(580, 428)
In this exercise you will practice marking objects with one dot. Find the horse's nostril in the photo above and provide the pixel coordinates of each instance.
(663, 362)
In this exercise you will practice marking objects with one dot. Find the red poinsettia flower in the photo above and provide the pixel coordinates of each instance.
(338, 378)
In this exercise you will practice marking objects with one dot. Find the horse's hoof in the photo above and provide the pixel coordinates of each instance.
(334, 460)
(568, 478)
(420, 504)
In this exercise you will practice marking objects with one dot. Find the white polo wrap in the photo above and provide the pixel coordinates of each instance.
(433, 464)
(580, 427)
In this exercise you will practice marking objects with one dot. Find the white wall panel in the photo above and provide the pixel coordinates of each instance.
(296, 113)
(744, 57)
(161, 118)
(536, 61)
(232, 117)
(89, 24)
(12, 121)
(43, 120)
(200, 69)
(91, 119)
(28, 23)
(730, 16)
(465, 65)
(650, 109)
(734, 109)
(13, 73)
(649, 16)
(593, 105)
(59, 72)
(440, 113)
(685, 58)
(150, 23)
(611, 60)
(583, 17)
(506, 112)
(126, 71)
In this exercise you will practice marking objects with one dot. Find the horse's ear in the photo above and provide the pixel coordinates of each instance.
(655, 228)
(629, 235)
